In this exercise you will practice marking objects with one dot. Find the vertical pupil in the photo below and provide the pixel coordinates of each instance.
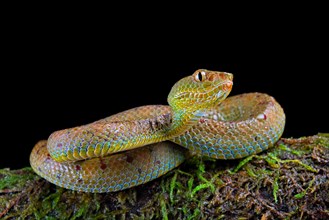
(200, 76)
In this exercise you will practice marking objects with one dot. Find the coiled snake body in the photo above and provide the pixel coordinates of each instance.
(86, 158)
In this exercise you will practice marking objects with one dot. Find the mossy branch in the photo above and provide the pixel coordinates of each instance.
(289, 181)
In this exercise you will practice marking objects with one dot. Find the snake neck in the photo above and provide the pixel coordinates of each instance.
(182, 120)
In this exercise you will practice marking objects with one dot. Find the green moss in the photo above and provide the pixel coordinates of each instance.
(293, 151)
(275, 188)
(15, 179)
(303, 193)
(324, 135)
(275, 184)
(323, 139)
(195, 214)
(242, 163)
(250, 170)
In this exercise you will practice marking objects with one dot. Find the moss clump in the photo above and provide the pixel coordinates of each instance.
(289, 181)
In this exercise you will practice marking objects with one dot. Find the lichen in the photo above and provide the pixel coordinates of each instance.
(289, 181)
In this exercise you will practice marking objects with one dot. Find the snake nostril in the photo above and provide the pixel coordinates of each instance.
(228, 86)
(226, 76)
(212, 77)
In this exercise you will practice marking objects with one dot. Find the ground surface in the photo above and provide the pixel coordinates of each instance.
(289, 181)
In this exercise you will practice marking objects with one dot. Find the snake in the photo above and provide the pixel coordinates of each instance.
(138, 145)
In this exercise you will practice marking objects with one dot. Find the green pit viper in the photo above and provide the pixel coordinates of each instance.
(107, 155)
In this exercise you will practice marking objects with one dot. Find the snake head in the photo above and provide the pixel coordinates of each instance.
(202, 90)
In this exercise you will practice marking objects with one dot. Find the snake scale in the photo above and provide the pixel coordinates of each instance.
(107, 155)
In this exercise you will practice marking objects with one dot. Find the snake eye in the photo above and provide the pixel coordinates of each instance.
(201, 76)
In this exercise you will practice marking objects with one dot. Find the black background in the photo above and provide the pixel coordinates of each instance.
(55, 79)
